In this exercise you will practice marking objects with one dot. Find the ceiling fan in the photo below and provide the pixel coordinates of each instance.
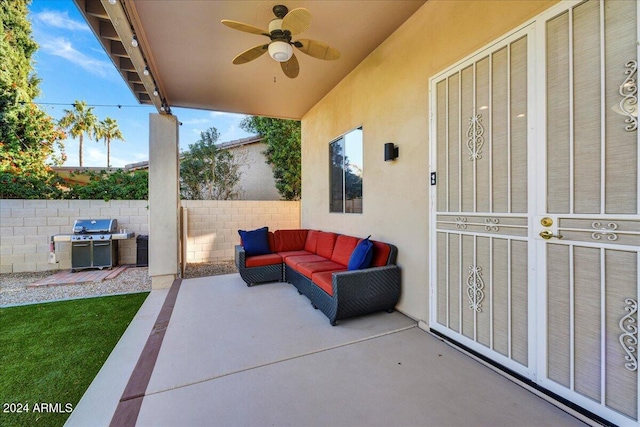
(286, 24)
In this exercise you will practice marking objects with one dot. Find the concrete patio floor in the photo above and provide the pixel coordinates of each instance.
(238, 356)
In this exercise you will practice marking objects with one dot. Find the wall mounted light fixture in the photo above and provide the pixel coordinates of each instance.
(390, 151)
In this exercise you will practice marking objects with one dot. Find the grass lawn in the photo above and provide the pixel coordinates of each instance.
(50, 353)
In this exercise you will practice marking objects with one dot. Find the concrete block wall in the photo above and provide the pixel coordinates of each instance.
(26, 227)
(213, 224)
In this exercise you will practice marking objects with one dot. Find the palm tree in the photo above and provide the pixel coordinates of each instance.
(108, 130)
(78, 122)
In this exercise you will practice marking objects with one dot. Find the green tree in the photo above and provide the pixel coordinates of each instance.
(207, 172)
(282, 138)
(108, 130)
(78, 122)
(28, 136)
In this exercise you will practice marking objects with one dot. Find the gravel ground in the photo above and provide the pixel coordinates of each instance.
(14, 291)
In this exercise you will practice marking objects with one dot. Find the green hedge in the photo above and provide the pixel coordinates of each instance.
(118, 185)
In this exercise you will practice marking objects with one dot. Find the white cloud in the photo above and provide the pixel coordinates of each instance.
(59, 46)
(232, 133)
(60, 19)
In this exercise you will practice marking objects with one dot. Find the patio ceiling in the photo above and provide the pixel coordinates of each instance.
(189, 52)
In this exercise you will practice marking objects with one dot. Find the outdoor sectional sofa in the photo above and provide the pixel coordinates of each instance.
(316, 263)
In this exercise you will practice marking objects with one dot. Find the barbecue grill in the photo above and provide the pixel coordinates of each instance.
(93, 243)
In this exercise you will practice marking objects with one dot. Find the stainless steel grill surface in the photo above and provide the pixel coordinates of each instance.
(92, 243)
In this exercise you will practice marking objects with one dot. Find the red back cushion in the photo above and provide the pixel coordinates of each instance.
(326, 241)
(312, 241)
(272, 243)
(290, 240)
(381, 253)
(343, 249)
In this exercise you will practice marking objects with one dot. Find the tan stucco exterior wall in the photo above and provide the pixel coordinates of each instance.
(388, 95)
(256, 179)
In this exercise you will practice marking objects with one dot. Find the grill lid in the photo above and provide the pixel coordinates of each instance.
(101, 226)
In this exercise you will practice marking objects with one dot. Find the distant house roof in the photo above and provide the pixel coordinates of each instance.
(66, 171)
(240, 142)
(136, 166)
(79, 174)
(223, 145)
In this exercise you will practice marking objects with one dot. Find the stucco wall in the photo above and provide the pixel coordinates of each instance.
(26, 227)
(256, 179)
(388, 95)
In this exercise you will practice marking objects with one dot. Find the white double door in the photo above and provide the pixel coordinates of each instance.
(535, 226)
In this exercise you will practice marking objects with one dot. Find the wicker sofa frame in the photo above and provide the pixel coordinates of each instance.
(251, 275)
(355, 292)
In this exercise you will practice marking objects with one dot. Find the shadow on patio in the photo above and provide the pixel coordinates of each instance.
(238, 356)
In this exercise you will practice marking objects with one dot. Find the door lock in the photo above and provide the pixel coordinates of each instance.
(546, 222)
(546, 235)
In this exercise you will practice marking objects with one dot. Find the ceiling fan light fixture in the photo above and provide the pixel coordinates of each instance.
(280, 51)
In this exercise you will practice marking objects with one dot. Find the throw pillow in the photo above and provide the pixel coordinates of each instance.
(255, 242)
(361, 255)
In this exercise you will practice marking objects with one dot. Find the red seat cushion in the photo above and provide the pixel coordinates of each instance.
(288, 254)
(262, 260)
(343, 248)
(381, 253)
(312, 241)
(326, 242)
(308, 268)
(290, 240)
(324, 280)
(293, 261)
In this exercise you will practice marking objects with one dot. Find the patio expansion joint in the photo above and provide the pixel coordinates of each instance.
(287, 359)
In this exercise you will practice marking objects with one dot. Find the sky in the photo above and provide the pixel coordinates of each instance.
(72, 65)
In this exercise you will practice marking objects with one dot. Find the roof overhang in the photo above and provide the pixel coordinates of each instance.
(188, 53)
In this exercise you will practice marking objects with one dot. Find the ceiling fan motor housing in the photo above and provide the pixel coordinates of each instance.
(275, 25)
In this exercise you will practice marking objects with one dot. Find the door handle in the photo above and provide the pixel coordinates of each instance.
(546, 235)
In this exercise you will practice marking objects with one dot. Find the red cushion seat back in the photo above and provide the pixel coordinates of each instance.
(381, 253)
(290, 240)
(326, 242)
(272, 242)
(311, 244)
(343, 249)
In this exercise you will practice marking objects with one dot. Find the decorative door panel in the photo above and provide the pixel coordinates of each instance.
(482, 203)
(535, 214)
(592, 228)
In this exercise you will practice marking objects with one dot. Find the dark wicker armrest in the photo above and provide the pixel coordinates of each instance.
(240, 256)
(378, 284)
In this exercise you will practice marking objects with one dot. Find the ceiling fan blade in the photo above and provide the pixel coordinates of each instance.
(296, 21)
(244, 27)
(317, 49)
(250, 54)
(291, 68)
